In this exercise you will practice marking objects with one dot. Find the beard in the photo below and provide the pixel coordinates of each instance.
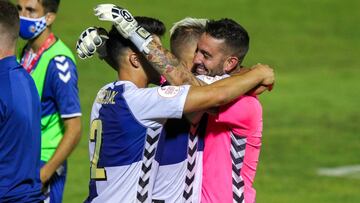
(201, 69)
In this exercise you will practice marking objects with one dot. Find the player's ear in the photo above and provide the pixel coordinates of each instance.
(230, 63)
(134, 60)
(50, 18)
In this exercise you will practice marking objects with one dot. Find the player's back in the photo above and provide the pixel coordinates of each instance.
(20, 135)
(180, 158)
(126, 127)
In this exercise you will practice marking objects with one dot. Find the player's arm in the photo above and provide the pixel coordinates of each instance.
(62, 79)
(166, 64)
(259, 89)
(67, 144)
(161, 59)
(223, 91)
(160, 103)
(93, 40)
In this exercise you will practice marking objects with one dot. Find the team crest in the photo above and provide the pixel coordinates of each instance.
(32, 29)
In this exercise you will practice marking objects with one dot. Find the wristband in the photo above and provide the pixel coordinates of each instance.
(141, 38)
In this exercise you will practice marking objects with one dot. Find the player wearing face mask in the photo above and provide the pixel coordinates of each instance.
(31, 28)
(52, 66)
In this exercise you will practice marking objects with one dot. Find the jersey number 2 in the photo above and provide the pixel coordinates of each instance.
(97, 173)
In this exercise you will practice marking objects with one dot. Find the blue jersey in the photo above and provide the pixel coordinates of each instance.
(59, 98)
(19, 135)
(126, 128)
(60, 92)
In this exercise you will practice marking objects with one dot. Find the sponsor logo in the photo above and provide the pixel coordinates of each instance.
(127, 16)
(63, 66)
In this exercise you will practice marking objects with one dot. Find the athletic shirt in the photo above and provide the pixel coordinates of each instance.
(179, 177)
(232, 148)
(59, 95)
(19, 134)
(126, 128)
(180, 157)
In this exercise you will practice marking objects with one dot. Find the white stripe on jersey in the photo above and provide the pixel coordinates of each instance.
(170, 181)
(73, 115)
(120, 186)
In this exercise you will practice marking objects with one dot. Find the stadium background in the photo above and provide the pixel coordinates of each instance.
(311, 119)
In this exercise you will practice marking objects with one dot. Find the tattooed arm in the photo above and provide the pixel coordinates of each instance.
(165, 63)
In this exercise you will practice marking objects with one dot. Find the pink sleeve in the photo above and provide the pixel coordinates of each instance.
(243, 116)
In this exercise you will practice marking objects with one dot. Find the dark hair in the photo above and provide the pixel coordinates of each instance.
(117, 44)
(50, 5)
(9, 20)
(152, 25)
(235, 36)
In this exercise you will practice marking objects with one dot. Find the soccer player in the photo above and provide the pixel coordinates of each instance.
(172, 154)
(127, 120)
(224, 55)
(233, 137)
(242, 117)
(19, 119)
(184, 36)
(52, 66)
(180, 158)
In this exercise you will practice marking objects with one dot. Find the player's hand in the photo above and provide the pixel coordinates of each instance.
(89, 41)
(258, 90)
(45, 174)
(267, 73)
(121, 18)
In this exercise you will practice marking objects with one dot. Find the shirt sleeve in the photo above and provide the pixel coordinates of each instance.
(243, 116)
(64, 80)
(152, 106)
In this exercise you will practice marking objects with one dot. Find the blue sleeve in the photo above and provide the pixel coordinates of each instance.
(63, 74)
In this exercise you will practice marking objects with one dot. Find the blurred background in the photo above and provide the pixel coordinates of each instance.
(311, 139)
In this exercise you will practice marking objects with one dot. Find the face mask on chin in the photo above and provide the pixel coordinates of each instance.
(31, 27)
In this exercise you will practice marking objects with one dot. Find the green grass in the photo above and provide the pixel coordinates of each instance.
(311, 119)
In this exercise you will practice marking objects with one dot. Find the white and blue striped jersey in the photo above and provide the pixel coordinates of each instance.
(126, 127)
(180, 157)
(179, 176)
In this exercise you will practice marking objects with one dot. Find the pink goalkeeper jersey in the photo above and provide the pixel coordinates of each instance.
(231, 153)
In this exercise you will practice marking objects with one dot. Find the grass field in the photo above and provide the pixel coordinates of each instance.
(311, 119)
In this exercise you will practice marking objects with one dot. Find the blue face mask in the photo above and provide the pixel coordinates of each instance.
(31, 27)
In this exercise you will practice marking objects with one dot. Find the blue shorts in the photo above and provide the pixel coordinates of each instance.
(55, 188)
